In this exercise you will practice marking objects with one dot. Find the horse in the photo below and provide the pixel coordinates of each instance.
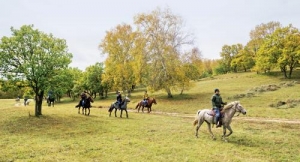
(86, 105)
(227, 113)
(149, 104)
(115, 105)
(50, 100)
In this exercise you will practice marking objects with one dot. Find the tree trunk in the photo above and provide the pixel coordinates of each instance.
(169, 93)
(290, 72)
(283, 69)
(38, 103)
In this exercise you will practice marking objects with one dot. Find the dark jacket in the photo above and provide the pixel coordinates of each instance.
(217, 101)
(119, 97)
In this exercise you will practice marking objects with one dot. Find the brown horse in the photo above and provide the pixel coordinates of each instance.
(149, 104)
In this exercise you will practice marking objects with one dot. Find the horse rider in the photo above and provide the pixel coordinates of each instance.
(84, 95)
(217, 104)
(119, 99)
(146, 97)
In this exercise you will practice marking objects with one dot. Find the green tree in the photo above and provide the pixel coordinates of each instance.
(280, 50)
(258, 36)
(94, 78)
(228, 55)
(34, 56)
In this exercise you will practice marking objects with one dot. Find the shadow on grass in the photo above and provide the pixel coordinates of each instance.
(49, 125)
(245, 141)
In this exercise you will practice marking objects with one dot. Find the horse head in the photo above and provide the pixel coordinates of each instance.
(154, 101)
(127, 99)
(240, 108)
(236, 105)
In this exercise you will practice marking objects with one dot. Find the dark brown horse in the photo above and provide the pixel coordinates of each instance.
(86, 105)
(149, 104)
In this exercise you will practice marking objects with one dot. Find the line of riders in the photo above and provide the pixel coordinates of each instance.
(217, 103)
(84, 95)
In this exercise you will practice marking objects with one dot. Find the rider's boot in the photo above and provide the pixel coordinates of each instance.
(220, 122)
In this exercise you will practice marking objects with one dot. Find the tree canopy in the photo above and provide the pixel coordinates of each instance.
(34, 56)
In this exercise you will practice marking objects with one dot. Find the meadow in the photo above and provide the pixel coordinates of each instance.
(166, 134)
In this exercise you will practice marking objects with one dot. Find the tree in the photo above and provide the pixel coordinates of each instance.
(228, 54)
(258, 36)
(118, 44)
(35, 56)
(165, 38)
(93, 79)
(281, 49)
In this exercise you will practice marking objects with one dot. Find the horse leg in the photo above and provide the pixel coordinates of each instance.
(116, 112)
(121, 113)
(224, 132)
(89, 111)
(198, 126)
(78, 110)
(126, 113)
(211, 133)
(143, 108)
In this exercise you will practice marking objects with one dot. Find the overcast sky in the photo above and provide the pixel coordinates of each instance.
(83, 23)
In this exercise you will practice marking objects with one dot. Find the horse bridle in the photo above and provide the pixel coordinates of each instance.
(237, 108)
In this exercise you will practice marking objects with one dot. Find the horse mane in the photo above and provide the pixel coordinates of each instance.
(230, 105)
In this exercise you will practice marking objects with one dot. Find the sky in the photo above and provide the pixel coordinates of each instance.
(83, 23)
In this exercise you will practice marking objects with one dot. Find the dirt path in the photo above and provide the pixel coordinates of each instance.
(252, 119)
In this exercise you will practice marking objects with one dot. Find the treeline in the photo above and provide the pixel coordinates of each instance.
(271, 46)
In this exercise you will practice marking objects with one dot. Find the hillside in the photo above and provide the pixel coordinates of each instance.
(257, 93)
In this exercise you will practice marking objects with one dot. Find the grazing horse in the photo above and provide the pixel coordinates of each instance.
(50, 100)
(86, 105)
(228, 112)
(149, 104)
(115, 105)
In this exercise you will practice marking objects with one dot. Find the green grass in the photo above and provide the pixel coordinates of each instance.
(61, 134)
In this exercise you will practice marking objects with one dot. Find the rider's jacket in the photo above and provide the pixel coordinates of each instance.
(217, 101)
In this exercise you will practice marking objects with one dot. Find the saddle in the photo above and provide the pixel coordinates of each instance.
(211, 113)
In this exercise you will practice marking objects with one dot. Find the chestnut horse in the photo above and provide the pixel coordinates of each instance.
(149, 104)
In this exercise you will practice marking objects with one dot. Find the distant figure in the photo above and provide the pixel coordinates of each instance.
(146, 97)
(18, 99)
(25, 101)
(119, 99)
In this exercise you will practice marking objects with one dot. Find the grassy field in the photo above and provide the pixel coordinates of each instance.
(63, 135)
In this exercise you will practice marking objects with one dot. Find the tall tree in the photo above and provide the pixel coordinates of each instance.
(118, 44)
(281, 49)
(34, 56)
(93, 79)
(165, 37)
(228, 54)
(258, 36)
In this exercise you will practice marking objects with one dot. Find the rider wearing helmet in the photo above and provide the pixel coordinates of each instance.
(217, 103)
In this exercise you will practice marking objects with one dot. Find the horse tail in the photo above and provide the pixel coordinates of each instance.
(137, 105)
(111, 108)
(195, 122)
(196, 117)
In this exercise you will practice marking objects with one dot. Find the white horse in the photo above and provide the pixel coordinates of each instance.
(228, 112)
(116, 106)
